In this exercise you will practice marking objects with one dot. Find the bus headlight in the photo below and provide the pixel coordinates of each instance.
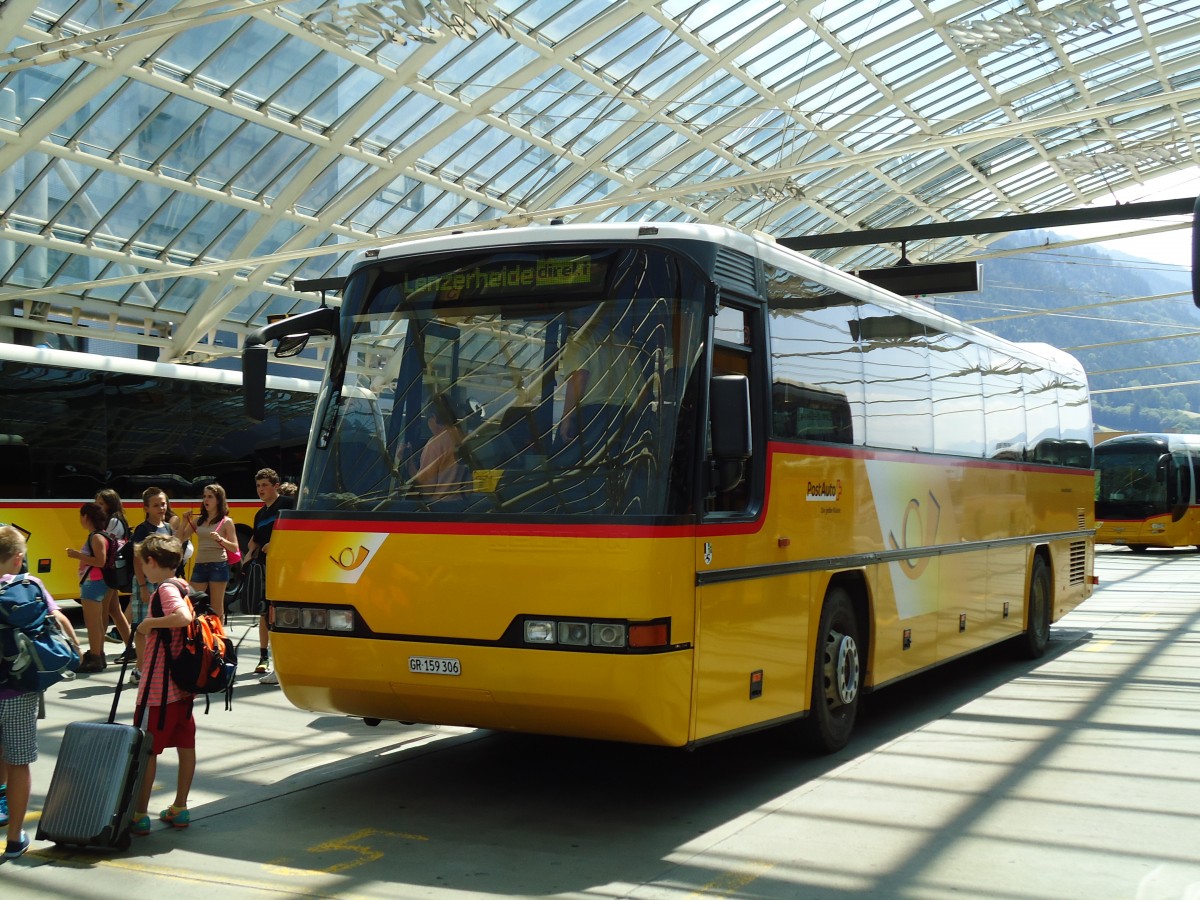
(608, 634)
(539, 631)
(313, 618)
(574, 634)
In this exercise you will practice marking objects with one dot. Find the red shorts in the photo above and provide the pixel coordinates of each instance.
(178, 729)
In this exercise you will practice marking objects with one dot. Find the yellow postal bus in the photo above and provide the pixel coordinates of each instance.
(1146, 491)
(662, 484)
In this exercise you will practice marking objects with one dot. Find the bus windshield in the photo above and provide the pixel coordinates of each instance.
(553, 380)
(1132, 481)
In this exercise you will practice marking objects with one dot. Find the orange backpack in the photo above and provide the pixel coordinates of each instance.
(207, 664)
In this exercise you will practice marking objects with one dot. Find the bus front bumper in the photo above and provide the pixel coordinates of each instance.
(639, 698)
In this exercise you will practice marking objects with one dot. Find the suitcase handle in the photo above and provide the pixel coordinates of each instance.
(112, 713)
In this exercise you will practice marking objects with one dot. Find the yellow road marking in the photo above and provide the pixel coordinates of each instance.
(355, 844)
(351, 843)
(732, 882)
(88, 861)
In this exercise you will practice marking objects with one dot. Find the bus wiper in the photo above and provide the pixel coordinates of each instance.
(330, 422)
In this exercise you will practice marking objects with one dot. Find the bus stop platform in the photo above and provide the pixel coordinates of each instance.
(1077, 775)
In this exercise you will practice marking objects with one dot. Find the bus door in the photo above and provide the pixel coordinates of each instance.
(748, 624)
(1180, 497)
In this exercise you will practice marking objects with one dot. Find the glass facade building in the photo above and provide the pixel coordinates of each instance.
(168, 170)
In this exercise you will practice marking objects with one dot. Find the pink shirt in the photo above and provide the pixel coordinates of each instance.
(86, 572)
(150, 688)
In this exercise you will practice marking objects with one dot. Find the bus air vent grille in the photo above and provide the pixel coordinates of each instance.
(735, 271)
(1081, 518)
(1078, 562)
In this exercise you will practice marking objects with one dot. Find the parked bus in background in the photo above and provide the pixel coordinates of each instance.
(75, 423)
(1146, 491)
(662, 483)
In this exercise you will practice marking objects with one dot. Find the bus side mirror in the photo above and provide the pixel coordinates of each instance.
(729, 415)
(293, 334)
(254, 381)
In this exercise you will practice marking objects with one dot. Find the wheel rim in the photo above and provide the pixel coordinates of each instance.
(841, 669)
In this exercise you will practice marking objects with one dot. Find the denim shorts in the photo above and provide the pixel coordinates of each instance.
(207, 573)
(93, 590)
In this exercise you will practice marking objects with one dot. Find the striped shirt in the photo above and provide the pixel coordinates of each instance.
(150, 688)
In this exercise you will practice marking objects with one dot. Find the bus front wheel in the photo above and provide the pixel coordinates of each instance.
(837, 675)
(1037, 633)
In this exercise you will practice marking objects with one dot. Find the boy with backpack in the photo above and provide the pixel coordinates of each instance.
(168, 708)
(19, 709)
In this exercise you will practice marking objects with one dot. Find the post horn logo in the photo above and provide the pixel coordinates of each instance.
(349, 560)
(926, 524)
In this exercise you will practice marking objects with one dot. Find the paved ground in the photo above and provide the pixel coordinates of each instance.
(1078, 776)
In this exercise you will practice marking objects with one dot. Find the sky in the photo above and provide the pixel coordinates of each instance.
(1174, 247)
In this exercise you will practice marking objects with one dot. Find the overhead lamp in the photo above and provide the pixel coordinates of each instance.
(364, 25)
(1132, 158)
(989, 35)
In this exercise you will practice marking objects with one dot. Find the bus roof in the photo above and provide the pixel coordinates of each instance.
(758, 245)
(95, 362)
(1172, 441)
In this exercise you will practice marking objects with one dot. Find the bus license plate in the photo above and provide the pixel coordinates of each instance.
(434, 665)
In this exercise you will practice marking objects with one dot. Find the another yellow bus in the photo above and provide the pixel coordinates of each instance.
(772, 488)
(1146, 491)
(75, 423)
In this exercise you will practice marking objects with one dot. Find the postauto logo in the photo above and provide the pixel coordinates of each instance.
(823, 491)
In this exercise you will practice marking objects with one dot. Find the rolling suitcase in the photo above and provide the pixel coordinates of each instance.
(95, 782)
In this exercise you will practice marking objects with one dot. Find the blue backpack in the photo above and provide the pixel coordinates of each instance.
(34, 652)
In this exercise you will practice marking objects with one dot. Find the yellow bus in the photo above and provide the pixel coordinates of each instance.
(1146, 491)
(661, 483)
(75, 423)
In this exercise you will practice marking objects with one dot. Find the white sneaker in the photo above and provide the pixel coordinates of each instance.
(270, 678)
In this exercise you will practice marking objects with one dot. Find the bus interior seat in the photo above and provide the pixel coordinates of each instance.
(602, 425)
(508, 444)
(358, 463)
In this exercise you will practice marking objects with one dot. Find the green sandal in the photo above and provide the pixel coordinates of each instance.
(177, 816)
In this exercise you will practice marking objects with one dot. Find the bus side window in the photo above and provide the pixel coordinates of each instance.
(733, 355)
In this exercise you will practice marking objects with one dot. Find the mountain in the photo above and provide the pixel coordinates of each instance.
(1153, 344)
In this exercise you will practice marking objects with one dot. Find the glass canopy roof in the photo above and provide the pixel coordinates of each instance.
(168, 170)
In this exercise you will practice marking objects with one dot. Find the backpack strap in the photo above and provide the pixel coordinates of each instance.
(166, 686)
(139, 711)
(156, 602)
(164, 643)
(156, 610)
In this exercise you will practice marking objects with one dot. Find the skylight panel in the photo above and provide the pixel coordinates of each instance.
(913, 60)
(558, 19)
(858, 23)
(785, 57)
(231, 52)
(723, 25)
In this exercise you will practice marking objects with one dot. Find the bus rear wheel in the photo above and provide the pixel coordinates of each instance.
(837, 676)
(1037, 633)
